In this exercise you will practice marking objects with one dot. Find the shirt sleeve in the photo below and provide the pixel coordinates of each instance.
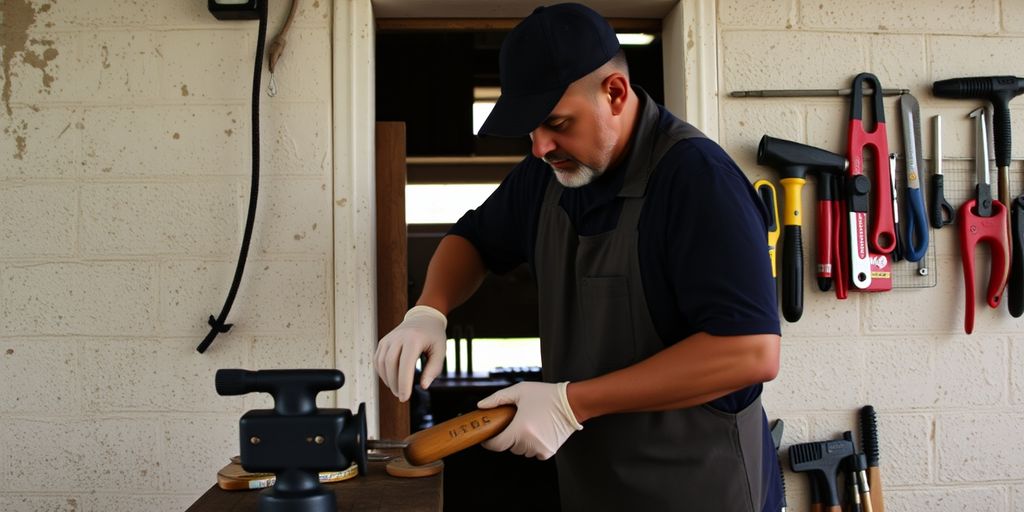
(502, 227)
(718, 248)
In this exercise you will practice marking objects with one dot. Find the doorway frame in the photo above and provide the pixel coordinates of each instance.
(690, 58)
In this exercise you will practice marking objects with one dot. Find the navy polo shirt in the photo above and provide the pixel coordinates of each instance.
(702, 246)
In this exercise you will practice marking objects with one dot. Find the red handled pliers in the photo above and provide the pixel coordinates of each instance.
(983, 220)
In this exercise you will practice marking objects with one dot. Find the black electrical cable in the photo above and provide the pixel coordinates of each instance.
(217, 325)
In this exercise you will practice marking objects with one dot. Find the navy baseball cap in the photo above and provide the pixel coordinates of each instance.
(550, 49)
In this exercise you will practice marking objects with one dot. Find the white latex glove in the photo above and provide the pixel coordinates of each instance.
(421, 332)
(543, 419)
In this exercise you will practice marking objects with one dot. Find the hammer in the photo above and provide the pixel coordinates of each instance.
(793, 161)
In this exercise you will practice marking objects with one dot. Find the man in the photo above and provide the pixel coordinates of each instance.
(658, 316)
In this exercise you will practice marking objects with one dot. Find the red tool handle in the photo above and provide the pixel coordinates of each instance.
(992, 231)
(840, 251)
(882, 229)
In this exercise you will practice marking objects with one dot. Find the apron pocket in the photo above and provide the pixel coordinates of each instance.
(607, 323)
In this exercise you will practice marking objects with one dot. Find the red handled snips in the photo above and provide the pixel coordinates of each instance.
(983, 220)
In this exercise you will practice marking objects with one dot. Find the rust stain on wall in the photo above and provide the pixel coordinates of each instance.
(16, 18)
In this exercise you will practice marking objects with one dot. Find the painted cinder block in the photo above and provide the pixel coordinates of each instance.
(154, 374)
(1016, 371)
(937, 310)
(747, 120)
(129, 448)
(101, 298)
(758, 13)
(133, 503)
(780, 60)
(197, 448)
(161, 218)
(957, 56)
(979, 446)
(296, 139)
(275, 297)
(43, 376)
(981, 17)
(815, 374)
(32, 503)
(294, 217)
(900, 62)
(39, 142)
(51, 67)
(971, 371)
(173, 142)
(38, 220)
(211, 64)
(900, 372)
(301, 73)
(946, 498)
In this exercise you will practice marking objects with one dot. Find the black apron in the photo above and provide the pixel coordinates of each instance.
(593, 320)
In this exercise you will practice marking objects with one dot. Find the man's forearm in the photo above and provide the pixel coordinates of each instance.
(691, 372)
(453, 275)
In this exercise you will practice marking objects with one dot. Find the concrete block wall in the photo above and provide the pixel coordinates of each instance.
(949, 405)
(124, 182)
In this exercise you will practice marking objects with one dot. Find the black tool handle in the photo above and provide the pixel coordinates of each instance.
(942, 212)
(1015, 285)
(792, 274)
(869, 434)
(997, 89)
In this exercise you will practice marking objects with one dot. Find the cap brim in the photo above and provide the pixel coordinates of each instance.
(519, 115)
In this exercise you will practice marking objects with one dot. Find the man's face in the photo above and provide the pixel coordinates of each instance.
(578, 138)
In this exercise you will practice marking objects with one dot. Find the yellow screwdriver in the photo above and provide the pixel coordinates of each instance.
(766, 190)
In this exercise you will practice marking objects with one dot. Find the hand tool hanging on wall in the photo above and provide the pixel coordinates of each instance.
(869, 244)
(804, 93)
(829, 195)
(857, 480)
(218, 325)
(1015, 283)
(998, 90)
(897, 253)
(916, 219)
(942, 213)
(766, 190)
(869, 441)
(983, 220)
(794, 160)
(823, 459)
(777, 430)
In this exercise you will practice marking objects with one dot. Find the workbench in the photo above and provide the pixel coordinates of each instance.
(374, 491)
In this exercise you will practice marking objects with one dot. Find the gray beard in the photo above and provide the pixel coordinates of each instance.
(582, 175)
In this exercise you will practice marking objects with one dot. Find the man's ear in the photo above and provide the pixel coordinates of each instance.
(616, 87)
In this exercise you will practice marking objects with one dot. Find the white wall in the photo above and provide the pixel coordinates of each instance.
(124, 174)
(124, 181)
(950, 405)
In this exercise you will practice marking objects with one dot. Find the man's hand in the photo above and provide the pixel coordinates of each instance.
(542, 423)
(422, 332)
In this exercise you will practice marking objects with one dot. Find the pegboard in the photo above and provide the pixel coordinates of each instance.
(958, 186)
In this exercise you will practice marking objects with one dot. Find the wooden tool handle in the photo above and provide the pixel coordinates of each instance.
(456, 434)
(875, 483)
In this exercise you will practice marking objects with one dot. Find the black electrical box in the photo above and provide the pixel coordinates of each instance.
(235, 10)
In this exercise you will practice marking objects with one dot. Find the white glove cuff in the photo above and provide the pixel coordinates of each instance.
(565, 409)
(427, 311)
